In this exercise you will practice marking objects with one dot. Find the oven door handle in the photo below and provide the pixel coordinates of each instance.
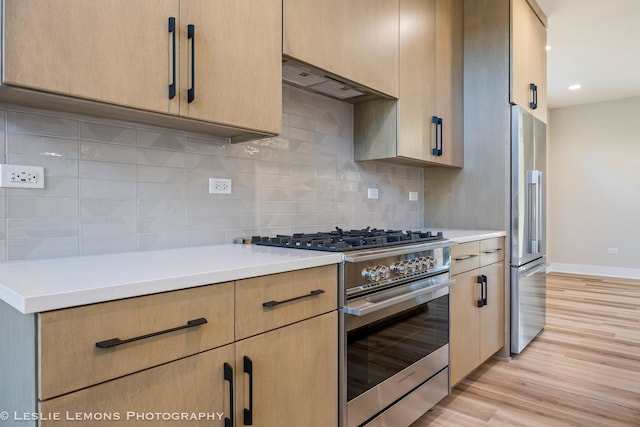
(371, 307)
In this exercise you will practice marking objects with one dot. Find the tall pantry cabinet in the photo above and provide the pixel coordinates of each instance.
(478, 195)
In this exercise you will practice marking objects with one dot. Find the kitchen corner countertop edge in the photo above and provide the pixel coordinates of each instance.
(464, 236)
(55, 283)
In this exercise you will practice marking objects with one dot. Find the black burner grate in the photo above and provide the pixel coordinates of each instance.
(347, 240)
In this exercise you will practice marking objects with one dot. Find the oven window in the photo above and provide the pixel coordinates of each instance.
(381, 349)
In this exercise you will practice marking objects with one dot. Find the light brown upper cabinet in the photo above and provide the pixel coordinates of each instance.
(529, 59)
(215, 61)
(425, 125)
(356, 40)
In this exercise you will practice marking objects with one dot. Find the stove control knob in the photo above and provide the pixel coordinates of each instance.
(369, 274)
(383, 272)
(375, 273)
(424, 263)
(432, 262)
(398, 267)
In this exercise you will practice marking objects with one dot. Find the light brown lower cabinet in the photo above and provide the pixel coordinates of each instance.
(477, 310)
(174, 359)
(187, 392)
(294, 375)
(284, 377)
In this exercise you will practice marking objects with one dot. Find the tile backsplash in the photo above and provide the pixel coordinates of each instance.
(113, 186)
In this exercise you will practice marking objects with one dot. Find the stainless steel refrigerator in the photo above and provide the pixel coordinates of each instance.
(528, 228)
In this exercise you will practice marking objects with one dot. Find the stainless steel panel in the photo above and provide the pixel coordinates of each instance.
(528, 187)
(528, 303)
(376, 399)
(415, 404)
(417, 292)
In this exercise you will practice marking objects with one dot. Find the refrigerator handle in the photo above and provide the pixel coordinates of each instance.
(534, 211)
(536, 270)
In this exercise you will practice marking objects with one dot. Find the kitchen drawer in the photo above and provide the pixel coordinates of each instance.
(70, 359)
(465, 257)
(491, 251)
(269, 302)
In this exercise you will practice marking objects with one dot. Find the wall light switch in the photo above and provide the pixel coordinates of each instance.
(413, 196)
(372, 193)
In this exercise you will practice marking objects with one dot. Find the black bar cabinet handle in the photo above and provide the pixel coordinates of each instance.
(228, 376)
(465, 257)
(117, 341)
(248, 369)
(480, 302)
(172, 31)
(310, 294)
(484, 290)
(493, 251)
(438, 122)
(191, 35)
(534, 93)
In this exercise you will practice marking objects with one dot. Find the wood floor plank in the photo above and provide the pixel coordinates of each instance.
(582, 370)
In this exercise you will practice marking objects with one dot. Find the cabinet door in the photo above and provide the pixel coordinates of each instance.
(431, 81)
(448, 80)
(529, 58)
(492, 314)
(194, 386)
(116, 51)
(355, 39)
(295, 375)
(70, 359)
(238, 62)
(295, 295)
(464, 326)
(416, 132)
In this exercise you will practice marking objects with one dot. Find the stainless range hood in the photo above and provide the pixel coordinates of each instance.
(315, 80)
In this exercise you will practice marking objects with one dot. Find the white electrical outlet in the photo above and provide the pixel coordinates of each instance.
(219, 186)
(18, 176)
(613, 251)
(413, 196)
(372, 193)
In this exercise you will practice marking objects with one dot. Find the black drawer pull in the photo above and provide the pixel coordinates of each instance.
(191, 35)
(117, 341)
(492, 251)
(465, 257)
(310, 294)
(247, 368)
(228, 376)
(172, 30)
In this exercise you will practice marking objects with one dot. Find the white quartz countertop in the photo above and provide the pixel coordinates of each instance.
(463, 236)
(50, 284)
(55, 283)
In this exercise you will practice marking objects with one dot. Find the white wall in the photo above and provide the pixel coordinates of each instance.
(594, 188)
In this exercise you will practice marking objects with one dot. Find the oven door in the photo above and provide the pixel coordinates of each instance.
(393, 348)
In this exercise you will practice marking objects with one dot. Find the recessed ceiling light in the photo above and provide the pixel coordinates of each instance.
(575, 87)
(547, 47)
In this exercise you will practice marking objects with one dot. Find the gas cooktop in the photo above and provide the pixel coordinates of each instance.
(348, 240)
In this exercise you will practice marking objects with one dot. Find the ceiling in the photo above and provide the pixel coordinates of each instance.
(594, 43)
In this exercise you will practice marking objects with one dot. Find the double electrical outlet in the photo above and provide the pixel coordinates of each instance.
(19, 176)
(219, 186)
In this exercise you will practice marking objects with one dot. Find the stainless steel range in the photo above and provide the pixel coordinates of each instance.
(395, 324)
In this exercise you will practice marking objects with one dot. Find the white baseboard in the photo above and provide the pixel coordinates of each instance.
(595, 270)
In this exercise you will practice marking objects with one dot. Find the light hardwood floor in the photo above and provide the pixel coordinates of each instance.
(582, 370)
